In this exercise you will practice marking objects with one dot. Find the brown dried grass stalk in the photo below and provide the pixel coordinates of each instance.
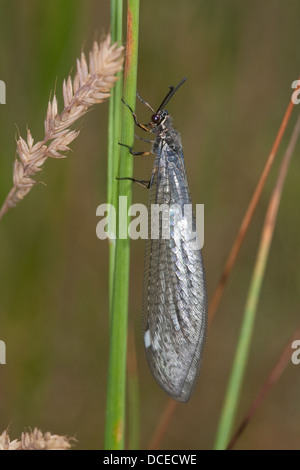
(91, 85)
(35, 440)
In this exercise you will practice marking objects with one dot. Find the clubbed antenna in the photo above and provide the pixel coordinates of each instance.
(170, 94)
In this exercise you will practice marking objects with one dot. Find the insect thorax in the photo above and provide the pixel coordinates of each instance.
(165, 133)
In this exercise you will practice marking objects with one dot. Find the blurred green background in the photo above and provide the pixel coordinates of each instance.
(240, 59)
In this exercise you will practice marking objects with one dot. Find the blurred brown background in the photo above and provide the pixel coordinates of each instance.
(240, 59)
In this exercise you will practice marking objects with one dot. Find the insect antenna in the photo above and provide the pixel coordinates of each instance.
(169, 95)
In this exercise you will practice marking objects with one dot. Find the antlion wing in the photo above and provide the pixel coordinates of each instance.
(174, 296)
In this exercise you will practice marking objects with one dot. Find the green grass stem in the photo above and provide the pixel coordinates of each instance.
(116, 396)
(114, 132)
(242, 352)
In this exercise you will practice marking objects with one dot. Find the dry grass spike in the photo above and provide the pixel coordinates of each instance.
(35, 440)
(92, 84)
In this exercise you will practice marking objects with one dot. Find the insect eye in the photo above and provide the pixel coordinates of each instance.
(155, 118)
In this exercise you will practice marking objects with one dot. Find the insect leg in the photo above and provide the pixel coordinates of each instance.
(145, 103)
(135, 118)
(154, 171)
(144, 183)
(150, 141)
(132, 151)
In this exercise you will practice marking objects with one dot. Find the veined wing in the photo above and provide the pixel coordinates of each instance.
(174, 297)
